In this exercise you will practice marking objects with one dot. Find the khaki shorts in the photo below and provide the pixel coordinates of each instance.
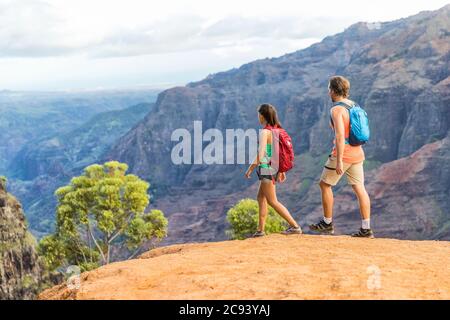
(354, 172)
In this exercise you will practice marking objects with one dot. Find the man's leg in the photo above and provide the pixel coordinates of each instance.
(328, 179)
(325, 226)
(363, 199)
(327, 200)
(355, 176)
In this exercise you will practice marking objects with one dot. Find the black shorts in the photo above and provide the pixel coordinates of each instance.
(266, 177)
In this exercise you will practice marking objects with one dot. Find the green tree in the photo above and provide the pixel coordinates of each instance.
(243, 219)
(100, 217)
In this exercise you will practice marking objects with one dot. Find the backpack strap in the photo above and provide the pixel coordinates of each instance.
(346, 106)
(271, 129)
(268, 127)
(343, 104)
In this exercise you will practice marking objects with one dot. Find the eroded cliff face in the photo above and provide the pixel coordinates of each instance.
(399, 72)
(20, 268)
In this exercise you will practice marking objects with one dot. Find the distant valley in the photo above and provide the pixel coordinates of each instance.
(47, 137)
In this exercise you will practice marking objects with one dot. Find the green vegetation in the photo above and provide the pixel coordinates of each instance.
(371, 164)
(100, 218)
(243, 219)
(305, 185)
(311, 167)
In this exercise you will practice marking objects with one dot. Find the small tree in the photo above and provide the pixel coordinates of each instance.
(100, 217)
(244, 216)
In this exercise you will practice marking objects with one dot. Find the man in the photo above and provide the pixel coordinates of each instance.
(344, 159)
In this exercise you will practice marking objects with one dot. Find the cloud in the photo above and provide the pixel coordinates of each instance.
(30, 28)
(73, 44)
(276, 27)
(187, 33)
(102, 28)
(176, 34)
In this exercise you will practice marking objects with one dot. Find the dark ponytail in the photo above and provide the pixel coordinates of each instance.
(269, 113)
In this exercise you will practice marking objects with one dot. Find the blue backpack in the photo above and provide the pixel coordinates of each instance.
(359, 124)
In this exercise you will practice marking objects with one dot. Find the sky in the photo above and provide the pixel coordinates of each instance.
(112, 44)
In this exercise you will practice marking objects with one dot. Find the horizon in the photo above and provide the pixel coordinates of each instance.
(137, 55)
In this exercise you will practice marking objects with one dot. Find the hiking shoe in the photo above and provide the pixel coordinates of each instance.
(258, 234)
(292, 230)
(364, 233)
(322, 227)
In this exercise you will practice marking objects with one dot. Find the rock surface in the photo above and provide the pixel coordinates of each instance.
(275, 267)
(20, 268)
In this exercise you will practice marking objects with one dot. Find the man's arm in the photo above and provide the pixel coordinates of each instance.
(339, 130)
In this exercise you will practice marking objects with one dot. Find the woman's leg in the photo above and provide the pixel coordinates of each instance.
(262, 203)
(269, 191)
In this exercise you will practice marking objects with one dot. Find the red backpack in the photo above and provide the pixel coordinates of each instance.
(283, 148)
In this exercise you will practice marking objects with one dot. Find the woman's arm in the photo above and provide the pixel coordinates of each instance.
(282, 177)
(261, 152)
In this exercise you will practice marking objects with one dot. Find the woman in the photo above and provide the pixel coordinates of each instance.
(267, 195)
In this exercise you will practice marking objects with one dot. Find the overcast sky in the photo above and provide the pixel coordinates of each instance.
(92, 44)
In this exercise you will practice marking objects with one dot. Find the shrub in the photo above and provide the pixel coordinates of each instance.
(243, 219)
